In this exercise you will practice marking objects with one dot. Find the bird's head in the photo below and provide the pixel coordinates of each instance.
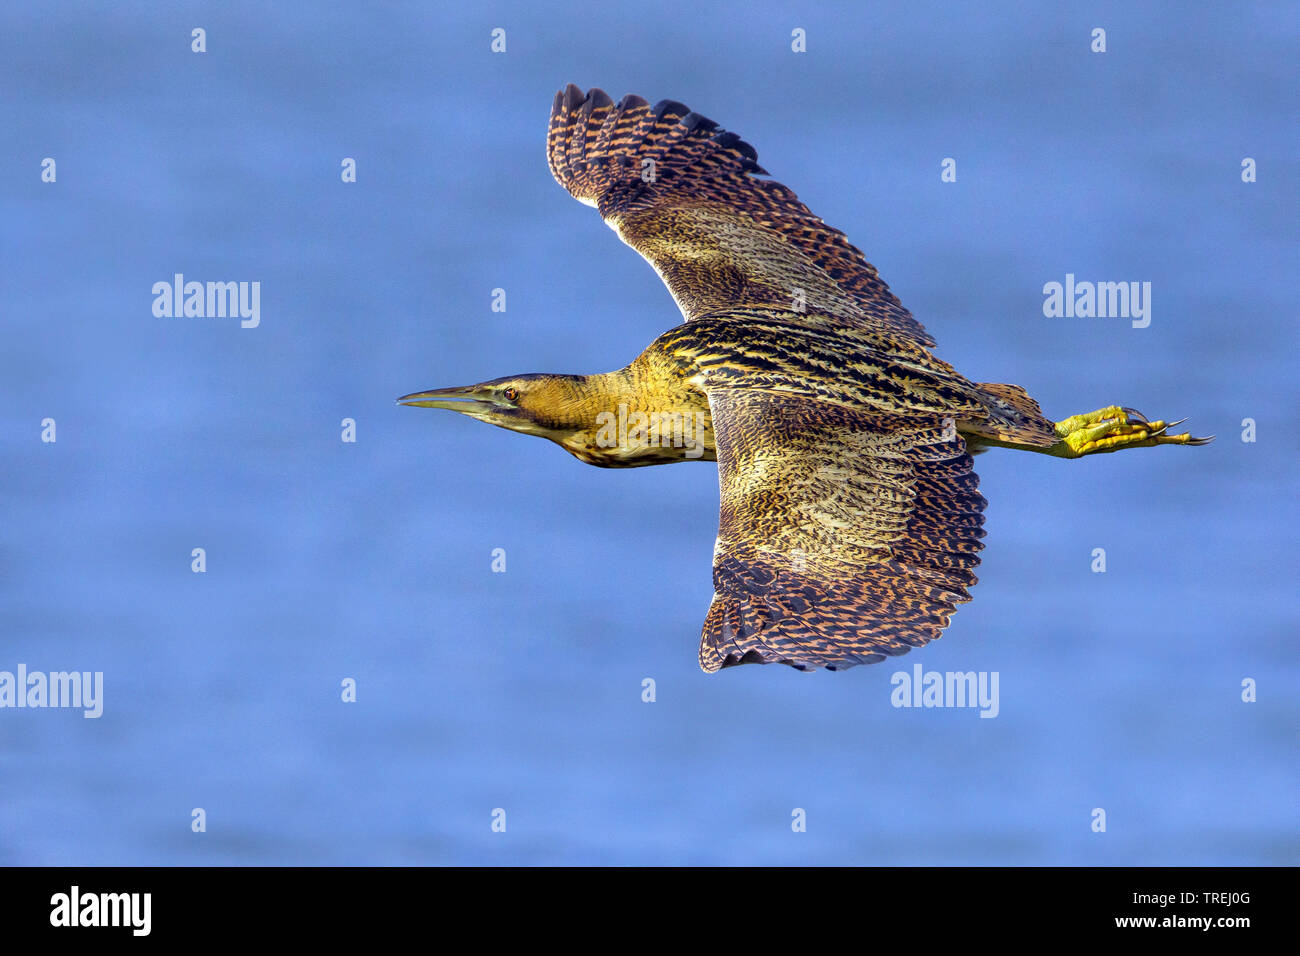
(558, 407)
(595, 418)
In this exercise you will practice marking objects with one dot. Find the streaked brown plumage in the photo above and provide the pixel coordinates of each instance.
(850, 518)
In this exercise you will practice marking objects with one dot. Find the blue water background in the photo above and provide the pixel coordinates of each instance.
(522, 691)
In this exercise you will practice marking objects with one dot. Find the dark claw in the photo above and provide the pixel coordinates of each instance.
(1137, 416)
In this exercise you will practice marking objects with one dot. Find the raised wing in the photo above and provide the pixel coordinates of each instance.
(685, 194)
(844, 537)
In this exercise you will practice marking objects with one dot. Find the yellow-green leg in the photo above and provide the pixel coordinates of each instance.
(1113, 428)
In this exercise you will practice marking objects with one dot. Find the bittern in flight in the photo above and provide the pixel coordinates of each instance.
(850, 512)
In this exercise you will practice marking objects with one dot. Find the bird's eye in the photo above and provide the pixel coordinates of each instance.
(511, 394)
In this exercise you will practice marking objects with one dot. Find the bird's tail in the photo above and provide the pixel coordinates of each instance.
(1014, 417)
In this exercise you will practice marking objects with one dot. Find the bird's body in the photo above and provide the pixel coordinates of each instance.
(850, 515)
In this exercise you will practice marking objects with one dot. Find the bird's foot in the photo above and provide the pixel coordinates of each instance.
(1113, 428)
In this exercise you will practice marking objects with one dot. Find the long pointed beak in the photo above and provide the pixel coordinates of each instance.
(461, 399)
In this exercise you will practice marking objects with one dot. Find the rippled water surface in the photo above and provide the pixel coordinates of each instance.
(523, 690)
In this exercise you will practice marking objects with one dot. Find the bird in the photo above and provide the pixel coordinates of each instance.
(850, 515)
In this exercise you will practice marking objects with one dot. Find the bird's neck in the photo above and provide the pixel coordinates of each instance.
(606, 391)
(643, 386)
(639, 415)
